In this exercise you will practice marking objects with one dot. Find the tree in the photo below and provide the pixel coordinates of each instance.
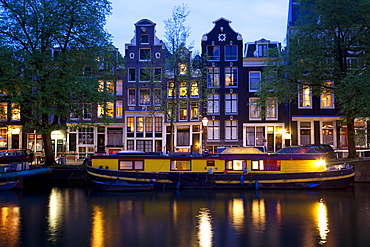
(184, 78)
(327, 52)
(53, 46)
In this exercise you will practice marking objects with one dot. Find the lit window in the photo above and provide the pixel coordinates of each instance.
(183, 111)
(3, 111)
(305, 97)
(194, 89)
(231, 76)
(119, 109)
(183, 89)
(16, 113)
(213, 77)
(180, 165)
(327, 97)
(194, 110)
(171, 89)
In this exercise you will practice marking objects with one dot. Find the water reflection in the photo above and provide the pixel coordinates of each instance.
(237, 213)
(10, 225)
(86, 217)
(205, 232)
(97, 232)
(322, 221)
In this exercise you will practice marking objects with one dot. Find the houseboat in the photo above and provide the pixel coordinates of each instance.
(233, 168)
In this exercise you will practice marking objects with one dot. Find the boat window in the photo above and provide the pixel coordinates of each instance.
(131, 165)
(265, 165)
(235, 165)
(180, 165)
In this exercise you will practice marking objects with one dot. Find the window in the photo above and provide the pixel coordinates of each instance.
(231, 76)
(86, 136)
(130, 145)
(231, 130)
(157, 97)
(106, 110)
(254, 109)
(158, 124)
(182, 69)
(213, 104)
(131, 164)
(254, 80)
(235, 165)
(144, 97)
(144, 74)
(213, 77)
(305, 133)
(119, 87)
(231, 103)
(183, 111)
(328, 133)
(110, 86)
(144, 38)
(265, 165)
(119, 109)
(144, 54)
(139, 124)
(305, 97)
(171, 89)
(130, 124)
(131, 96)
(180, 165)
(183, 89)
(87, 111)
(131, 74)
(213, 52)
(327, 97)
(16, 112)
(262, 50)
(145, 146)
(255, 136)
(157, 74)
(194, 89)
(213, 130)
(231, 53)
(271, 109)
(194, 110)
(115, 136)
(148, 124)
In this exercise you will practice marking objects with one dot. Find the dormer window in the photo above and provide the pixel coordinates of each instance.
(262, 50)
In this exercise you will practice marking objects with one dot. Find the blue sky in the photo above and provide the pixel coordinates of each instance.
(253, 19)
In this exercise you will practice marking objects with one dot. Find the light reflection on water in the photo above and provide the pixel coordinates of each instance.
(63, 216)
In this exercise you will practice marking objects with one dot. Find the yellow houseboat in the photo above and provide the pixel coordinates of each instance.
(237, 168)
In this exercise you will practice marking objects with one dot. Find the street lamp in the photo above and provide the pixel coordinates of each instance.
(205, 123)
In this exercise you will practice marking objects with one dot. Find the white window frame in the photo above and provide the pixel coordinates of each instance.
(250, 78)
(252, 108)
(231, 103)
(305, 97)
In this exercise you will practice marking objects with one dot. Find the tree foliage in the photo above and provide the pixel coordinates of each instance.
(329, 43)
(50, 50)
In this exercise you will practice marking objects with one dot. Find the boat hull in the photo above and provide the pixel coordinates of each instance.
(307, 180)
(122, 186)
(8, 185)
(25, 174)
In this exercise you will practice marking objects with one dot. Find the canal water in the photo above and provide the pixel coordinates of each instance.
(75, 215)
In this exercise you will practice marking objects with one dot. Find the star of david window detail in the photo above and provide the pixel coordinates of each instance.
(222, 37)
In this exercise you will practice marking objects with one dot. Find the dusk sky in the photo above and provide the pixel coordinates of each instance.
(253, 19)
